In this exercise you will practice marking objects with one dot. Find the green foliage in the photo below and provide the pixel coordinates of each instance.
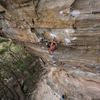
(2, 51)
(3, 40)
(17, 68)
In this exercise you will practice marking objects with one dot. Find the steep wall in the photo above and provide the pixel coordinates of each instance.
(75, 26)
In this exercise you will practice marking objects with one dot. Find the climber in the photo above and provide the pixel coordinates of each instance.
(63, 97)
(52, 46)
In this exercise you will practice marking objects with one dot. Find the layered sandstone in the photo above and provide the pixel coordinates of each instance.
(73, 70)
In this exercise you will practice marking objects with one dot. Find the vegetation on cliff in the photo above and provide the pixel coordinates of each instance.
(19, 71)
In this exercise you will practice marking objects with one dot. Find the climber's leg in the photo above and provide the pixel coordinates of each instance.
(50, 51)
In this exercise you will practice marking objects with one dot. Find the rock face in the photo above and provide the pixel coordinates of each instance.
(75, 85)
(73, 70)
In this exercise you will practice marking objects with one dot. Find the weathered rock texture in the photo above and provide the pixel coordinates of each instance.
(74, 70)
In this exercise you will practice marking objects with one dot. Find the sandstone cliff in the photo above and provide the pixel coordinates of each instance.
(73, 70)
